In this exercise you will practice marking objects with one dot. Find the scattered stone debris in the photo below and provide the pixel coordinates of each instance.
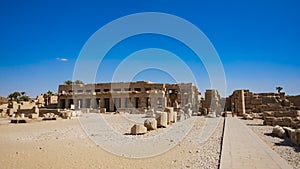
(103, 110)
(287, 132)
(248, 116)
(150, 124)
(162, 119)
(279, 131)
(138, 129)
(282, 118)
(49, 116)
(170, 115)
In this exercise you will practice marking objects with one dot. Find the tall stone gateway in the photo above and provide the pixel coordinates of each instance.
(238, 102)
(212, 101)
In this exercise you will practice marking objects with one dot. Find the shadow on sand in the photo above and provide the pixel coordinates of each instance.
(285, 142)
(255, 125)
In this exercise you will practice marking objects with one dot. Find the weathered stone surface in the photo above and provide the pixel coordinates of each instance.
(297, 131)
(296, 113)
(288, 131)
(2, 114)
(10, 111)
(73, 114)
(162, 119)
(138, 129)
(150, 124)
(170, 117)
(295, 137)
(66, 114)
(269, 120)
(180, 115)
(150, 113)
(170, 112)
(211, 114)
(33, 116)
(188, 113)
(279, 131)
(282, 121)
(247, 117)
(169, 109)
(102, 110)
(203, 111)
(285, 102)
(268, 113)
(174, 117)
(284, 114)
(49, 116)
(295, 124)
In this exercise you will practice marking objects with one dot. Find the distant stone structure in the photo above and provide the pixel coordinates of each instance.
(295, 100)
(212, 102)
(47, 101)
(3, 100)
(244, 101)
(128, 96)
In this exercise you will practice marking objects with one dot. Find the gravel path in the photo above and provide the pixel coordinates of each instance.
(200, 148)
(282, 146)
(206, 155)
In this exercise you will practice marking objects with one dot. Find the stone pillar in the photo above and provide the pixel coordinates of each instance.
(79, 104)
(83, 104)
(242, 109)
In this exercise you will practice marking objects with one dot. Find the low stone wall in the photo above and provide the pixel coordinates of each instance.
(295, 100)
(45, 111)
(282, 118)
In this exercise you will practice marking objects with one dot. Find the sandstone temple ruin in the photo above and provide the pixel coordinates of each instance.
(170, 102)
(124, 96)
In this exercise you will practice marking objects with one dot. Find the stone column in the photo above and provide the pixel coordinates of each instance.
(242, 109)
(83, 104)
(79, 104)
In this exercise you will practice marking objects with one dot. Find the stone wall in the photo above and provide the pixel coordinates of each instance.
(295, 100)
(282, 118)
(212, 102)
(43, 111)
(3, 100)
(238, 102)
(244, 101)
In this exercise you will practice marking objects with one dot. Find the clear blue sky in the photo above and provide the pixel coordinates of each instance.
(258, 41)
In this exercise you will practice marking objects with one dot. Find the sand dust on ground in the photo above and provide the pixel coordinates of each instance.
(64, 144)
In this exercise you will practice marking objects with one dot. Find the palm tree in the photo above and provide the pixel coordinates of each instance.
(68, 82)
(49, 93)
(47, 96)
(18, 96)
(279, 89)
(14, 96)
(24, 98)
(79, 82)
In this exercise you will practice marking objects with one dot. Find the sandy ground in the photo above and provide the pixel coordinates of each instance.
(64, 144)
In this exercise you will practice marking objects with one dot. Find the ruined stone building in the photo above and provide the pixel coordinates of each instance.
(244, 101)
(127, 95)
(47, 101)
(212, 102)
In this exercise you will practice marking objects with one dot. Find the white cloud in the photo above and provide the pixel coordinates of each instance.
(62, 59)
